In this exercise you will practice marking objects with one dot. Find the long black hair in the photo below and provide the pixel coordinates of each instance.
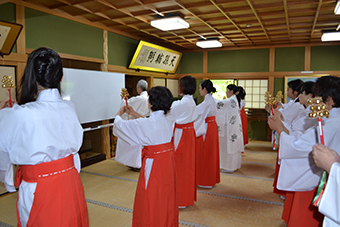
(44, 67)
(207, 84)
(160, 98)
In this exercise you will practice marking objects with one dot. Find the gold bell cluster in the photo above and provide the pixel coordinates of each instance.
(124, 93)
(279, 96)
(318, 108)
(7, 82)
(269, 99)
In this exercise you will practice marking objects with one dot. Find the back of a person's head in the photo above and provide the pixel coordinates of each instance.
(44, 66)
(143, 85)
(207, 84)
(307, 87)
(295, 85)
(328, 86)
(188, 85)
(242, 92)
(160, 98)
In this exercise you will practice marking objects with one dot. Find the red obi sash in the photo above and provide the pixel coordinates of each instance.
(31, 173)
(152, 150)
(210, 119)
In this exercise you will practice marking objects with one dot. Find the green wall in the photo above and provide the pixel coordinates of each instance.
(197, 93)
(7, 13)
(192, 63)
(255, 60)
(279, 85)
(62, 35)
(258, 130)
(325, 58)
(289, 59)
(121, 49)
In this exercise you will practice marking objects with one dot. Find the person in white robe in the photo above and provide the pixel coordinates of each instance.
(230, 130)
(329, 205)
(183, 113)
(43, 129)
(207, 152)
(155, 201)
(298, 171)
(125, 152)
(303, 122)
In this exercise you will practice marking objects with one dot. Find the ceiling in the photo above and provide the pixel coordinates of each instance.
(237, 23)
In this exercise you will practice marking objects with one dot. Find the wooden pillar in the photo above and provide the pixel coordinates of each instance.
(307, 58)
(21, 45)
(272, 59)
(205, 62)
(105, 132)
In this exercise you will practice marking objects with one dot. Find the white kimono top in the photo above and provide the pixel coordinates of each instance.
(139, 104)
(302, 122)
(182, 112)
(329, 204)
(205, 109)
(41, 131)
(292, 110)
(298, 171)
(155, 130)
(125, 153)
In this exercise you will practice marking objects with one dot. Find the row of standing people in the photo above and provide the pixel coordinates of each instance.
(194, 157)
(298, 175)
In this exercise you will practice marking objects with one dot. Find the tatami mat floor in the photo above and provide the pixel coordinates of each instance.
(243, 198)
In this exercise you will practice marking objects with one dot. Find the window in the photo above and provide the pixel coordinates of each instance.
(255, 90)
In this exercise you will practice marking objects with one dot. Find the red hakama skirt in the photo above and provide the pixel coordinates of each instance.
(185, 165)
(244, 121)
(155, 202)
(277, 169)
(59, 198)
(299, 211)
(208, 160)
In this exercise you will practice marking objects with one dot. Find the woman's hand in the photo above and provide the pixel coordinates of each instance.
(324, 157)
(276, 124)
(121, 111)
(4, 104)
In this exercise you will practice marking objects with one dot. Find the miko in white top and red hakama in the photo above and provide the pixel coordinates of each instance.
(298, 172)
(155, 201)
(43, 138)
(183, 112)
(207, 145)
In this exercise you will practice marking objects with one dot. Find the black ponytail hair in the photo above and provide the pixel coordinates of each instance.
(207, 84)
(44, 67)
(236, 91)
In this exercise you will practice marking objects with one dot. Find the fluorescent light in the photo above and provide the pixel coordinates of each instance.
(330, 36)
(209, 43)
(337, 8)
(170, 23)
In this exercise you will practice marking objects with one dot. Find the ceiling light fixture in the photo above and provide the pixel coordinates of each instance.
(330, 36)
(337, 8)
(212, 43)
(171, 23)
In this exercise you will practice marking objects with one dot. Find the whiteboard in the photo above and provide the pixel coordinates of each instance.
(95, 94)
